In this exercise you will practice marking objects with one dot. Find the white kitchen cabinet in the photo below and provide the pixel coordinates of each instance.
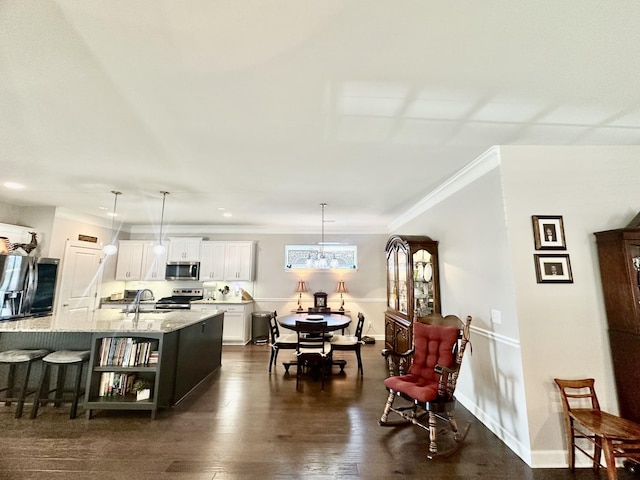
(238, 263)
(227, 261)
(236, 329)
(184, 249)
(153, 266)
(136, 261)
(212, 259)
(129, 263)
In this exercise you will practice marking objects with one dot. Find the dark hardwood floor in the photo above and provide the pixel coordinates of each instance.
(247, 424)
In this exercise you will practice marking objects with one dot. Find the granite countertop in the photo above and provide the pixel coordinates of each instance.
(110, 320)
(221, 302)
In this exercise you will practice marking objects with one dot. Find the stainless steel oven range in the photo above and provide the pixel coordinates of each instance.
(180, 299)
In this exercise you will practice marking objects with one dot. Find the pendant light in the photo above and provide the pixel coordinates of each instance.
(112, 249)
(159, 248)
(319, 261)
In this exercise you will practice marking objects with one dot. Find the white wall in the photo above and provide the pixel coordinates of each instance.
(41, 219)
(563, 327)
(9, 213)
(476, 277)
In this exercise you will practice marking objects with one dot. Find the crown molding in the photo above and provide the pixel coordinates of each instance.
(67, 214)
(248, 229)
(482, 165)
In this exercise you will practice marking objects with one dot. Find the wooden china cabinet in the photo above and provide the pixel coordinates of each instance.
(413, 287)
(619, 258)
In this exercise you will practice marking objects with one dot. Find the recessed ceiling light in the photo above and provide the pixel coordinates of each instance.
(227, 214)
(221, 208)
(13, 185)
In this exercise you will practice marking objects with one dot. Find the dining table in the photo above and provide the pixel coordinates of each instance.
(334, 321)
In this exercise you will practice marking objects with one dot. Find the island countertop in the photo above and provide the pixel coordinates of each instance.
(221, 302)
(110, 320)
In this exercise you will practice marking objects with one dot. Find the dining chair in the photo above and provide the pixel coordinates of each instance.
(312, 348)
(618, 437)
(350, 343)
(279, 342)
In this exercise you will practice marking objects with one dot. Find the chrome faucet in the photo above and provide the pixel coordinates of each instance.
(135, 306)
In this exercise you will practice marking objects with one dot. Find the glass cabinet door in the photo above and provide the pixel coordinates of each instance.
(423, 288)
(634, 251)
(402, 281)
(392, 287)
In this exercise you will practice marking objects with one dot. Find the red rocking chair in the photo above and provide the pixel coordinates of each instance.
(426, 376)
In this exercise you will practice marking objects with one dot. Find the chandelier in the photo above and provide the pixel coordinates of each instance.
(322, 260)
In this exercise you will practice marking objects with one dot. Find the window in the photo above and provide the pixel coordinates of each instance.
(321, 257)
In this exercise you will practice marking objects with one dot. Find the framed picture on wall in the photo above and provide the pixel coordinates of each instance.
(548, 232)
(553, 268)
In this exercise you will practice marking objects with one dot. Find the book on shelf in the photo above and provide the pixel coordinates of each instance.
(116, 384)
(126, 351)
(153, 357)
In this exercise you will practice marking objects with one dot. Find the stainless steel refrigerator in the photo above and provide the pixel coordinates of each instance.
(27, 286)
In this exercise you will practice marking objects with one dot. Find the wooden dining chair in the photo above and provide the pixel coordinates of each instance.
(279, 342)
(350, 343)
(616, 436)
(312, 349)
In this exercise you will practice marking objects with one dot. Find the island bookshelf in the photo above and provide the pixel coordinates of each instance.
(114, 355)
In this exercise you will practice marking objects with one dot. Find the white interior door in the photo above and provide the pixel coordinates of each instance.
(80, 281)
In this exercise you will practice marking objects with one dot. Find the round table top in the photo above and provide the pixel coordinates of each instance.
(334, 322)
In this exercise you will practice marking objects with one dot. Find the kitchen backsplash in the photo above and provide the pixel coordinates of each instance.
(164, 289)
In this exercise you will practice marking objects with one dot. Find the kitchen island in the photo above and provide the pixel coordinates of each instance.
(237, 318)
(188, 346)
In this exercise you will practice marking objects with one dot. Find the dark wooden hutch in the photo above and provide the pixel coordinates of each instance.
(619, 257)
(413, 287)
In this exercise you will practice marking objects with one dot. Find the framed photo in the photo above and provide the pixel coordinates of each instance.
(548, 232)
(553, 268)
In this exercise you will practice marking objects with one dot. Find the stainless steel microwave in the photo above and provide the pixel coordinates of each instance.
(182, 271)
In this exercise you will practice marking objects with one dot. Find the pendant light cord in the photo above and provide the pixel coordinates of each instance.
(322, 242)
(164, 196)
(113, 214)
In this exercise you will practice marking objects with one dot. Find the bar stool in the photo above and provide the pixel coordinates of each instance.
(16, 358)
(63, 359)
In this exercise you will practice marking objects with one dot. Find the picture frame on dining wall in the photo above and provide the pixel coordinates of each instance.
(548, 232)
(553, 268)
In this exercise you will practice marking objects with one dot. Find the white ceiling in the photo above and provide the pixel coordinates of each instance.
(267, 108)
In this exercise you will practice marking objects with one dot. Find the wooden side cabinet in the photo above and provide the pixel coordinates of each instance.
(619, 259)
(413, 286)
